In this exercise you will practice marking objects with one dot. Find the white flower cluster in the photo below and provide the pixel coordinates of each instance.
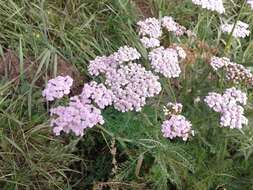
(150, 27)
(166, 61)
(229, 106)
(130, 83)
(240, 30)
(234, 72)
(75, 117)
(57, 87)
(102, 96)
(171, 26)
(213, 5)
(250, 3)
(150, 42)
(126, 54)
(177, 125)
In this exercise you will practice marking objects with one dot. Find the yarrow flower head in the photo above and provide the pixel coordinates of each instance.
(57, 87)
(131, 84)
(218, 63)
(240, 30)
(250, 3)
(126, 54)
(150, 42)
(170, 25)
(177, 125)
(150, 27)
(166, 61)
(98, 93)
(234, 72)
(76, 117)
(102, 65)
(229, 106)
(213, 5)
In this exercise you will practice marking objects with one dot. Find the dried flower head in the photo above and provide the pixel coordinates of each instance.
(173, 108)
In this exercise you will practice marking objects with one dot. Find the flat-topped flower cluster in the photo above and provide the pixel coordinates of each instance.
(229, 106)
(176, 125)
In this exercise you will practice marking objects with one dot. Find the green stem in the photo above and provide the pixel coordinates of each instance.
(228, 44)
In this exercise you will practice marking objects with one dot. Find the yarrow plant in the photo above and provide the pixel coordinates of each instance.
(250, 3)
(57, 87)
(229, 106)
(166, 61)
(234, 72)
(213, 5)
(240, 29)
(176, 125)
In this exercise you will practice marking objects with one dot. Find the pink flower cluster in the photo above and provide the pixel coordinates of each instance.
(98, 93)
(177, 125)
(57, 87)
(213, 5)
(166, 61)
(229, 106)
(130, 83)
(150, 27)
(250, 3)
(240, 30)
(234, 72)
(76, 117)
(150, 30)
(171, 26)
(81, 113)
(126, 54)
(150, 42)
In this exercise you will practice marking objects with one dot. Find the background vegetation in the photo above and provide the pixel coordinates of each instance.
(42, 38)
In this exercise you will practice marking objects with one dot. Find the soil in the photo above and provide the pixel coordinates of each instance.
(10, 69)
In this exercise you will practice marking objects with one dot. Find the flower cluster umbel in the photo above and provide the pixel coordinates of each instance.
(229, 106)
(176, 125)
(236, 73)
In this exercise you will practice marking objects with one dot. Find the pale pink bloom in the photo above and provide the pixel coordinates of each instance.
(213, 5)
(250, 3)
(177, 126)
(229, 106)
(126, 54)
(170, 25)
(76, 117)
(218, 63)
(131, 84)
(150, 42)
(166, 61)
(57, 87)
(150, 27)
(240, 30)
(98, 93)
